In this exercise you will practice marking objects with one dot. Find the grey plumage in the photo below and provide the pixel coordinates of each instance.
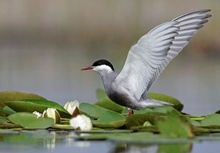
(147, 59)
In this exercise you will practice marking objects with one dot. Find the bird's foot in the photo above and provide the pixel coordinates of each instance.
(130, 112)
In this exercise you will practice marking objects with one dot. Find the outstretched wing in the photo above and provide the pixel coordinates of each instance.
(152, 53)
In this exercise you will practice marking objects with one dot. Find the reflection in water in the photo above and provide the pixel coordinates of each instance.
(64, 141)
(51, 142)
(41, 140)
(69, 141)
(161, 148)
(129, 148)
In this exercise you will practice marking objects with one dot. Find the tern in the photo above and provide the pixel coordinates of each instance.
(147, 59)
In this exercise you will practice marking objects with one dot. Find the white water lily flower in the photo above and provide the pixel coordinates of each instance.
(52, 113)
(81, 122)
(39, 115)
(72, 107)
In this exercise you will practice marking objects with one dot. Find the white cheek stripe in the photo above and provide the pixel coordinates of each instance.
(102, 67)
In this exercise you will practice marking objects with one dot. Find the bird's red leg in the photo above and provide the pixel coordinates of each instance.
(130, 112)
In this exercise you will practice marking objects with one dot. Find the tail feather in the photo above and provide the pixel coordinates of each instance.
(153, 103)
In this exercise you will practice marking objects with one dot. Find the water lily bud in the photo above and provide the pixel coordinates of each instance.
(39, 115)
(52, 113)
(81, 122)
(72, 107)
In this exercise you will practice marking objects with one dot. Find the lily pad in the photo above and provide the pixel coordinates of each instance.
(110, 120)
(140, 119)
(3, 119)
(31, 105)
(63, 126)
(212, 119)
(163, 109)
(158, 96)
(109, 104)
(103, 117)
(93, 111)
(175, 125)
(8, 110)
(13, 96)
(30, 121)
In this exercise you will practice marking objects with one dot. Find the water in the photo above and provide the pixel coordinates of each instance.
(57, 142)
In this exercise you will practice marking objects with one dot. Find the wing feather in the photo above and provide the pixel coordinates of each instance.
(153, 52)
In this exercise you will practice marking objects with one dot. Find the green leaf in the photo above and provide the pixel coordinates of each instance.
(158, 96)
(93, 111)
(63, 126)
(3, 119)
(163, 109)
(4, 124)
(175, 125)
(16, 95)
(31, 105)
(13, 96)
(30, 121)
(144, 111)
(100, 93)
(109, 104)
(110, 119)
(8, 110)
(212, 119)
(105, 118)
(140, 119)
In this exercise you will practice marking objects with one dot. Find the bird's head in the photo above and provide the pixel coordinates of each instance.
(100, 66)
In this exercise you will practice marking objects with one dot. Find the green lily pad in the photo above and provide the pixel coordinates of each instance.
(109, 104)
(181, 127)
(212, 119)
(30, 121)
(93, 111)
(144, 111)
(3, 119)
(158, 96)
(110, 120)
(103, 117)
(31, 105)
(13, 96)
(140, 119)
(63, 126)
(163, 109)
(8, 110)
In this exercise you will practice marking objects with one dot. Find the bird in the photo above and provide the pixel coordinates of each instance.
(147, 59)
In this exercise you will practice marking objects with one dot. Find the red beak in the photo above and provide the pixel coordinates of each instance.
(87, 68)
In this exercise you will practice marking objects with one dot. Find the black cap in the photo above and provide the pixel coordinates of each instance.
(103, 62)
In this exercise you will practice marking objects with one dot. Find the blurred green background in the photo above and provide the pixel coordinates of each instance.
(43, 45)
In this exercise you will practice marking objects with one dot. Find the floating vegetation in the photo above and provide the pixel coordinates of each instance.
(106, 120)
